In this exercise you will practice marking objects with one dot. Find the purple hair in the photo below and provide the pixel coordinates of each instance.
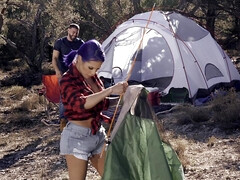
(90, 51)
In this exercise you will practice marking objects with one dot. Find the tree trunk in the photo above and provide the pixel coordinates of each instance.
(211, 16)
(136, 6)
(237, 24)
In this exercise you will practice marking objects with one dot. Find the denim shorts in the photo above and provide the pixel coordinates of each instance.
(80, 142)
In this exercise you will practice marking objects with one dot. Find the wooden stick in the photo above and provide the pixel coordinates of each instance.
(128, 76)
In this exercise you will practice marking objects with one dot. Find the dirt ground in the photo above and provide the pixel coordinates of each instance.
(30, 150)
(209, 153)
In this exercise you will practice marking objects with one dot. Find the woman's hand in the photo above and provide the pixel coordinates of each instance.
(119, 88)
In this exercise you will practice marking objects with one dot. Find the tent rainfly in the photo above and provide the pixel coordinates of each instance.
(176, 53)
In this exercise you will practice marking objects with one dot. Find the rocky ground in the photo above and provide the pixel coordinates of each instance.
(30, 150)
(207, 152)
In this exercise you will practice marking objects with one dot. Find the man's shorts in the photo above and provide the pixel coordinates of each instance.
(80, 142)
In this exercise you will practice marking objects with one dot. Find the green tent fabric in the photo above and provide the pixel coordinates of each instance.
(136, 151)
(173, 162)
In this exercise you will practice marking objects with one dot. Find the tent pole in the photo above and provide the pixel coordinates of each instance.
(175, 37)
(128, 76)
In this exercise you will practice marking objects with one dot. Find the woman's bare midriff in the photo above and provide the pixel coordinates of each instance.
(83, 123)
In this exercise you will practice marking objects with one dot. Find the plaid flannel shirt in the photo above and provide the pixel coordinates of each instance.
(74, 90)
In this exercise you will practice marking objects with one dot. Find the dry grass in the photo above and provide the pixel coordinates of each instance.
(16, 92)
(222, 112)
(20, 100)
(190, 114)
(225, 109)
(211, 141)
(176, 143)
(29, 102)
(180, 147)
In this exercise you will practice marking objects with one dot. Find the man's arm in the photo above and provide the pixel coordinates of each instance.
(55, 65)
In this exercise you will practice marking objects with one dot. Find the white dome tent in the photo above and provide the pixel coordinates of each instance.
(176, 53)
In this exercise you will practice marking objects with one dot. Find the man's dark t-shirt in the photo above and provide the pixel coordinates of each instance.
(64, 46)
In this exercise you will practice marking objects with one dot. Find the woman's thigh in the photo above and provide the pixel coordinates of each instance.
(97, 162)
(77, 168)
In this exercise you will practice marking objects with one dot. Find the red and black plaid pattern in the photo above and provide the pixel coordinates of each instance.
(74, 90)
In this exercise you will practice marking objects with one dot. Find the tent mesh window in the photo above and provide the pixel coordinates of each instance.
(212, 71)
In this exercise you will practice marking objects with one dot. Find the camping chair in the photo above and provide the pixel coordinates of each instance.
(51, 94)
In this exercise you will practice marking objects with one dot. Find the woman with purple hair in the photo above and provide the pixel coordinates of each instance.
(84, 98)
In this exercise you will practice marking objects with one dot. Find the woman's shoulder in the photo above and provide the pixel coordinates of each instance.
(72, 76)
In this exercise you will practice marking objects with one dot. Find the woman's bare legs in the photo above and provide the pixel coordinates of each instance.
(77, 168)
(98, 162)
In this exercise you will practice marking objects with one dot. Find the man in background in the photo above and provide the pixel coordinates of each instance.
(62, 47)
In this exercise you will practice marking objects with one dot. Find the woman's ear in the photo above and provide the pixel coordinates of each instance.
(79, 59)
(78, 62)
